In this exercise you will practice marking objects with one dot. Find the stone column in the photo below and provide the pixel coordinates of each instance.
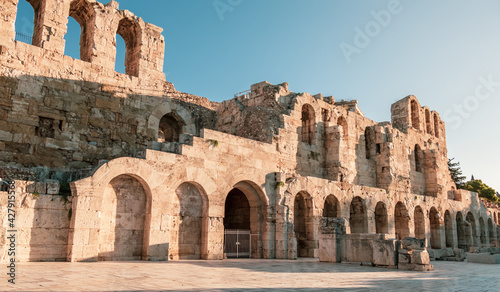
(215, 239)
(83, 242)
(153, 53)
(7, 24)
(52, 25)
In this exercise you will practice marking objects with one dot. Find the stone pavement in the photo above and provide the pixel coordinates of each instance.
(248, 275)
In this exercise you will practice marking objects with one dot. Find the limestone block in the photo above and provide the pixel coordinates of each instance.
(327, 248)
(415, 267)
(384, 252)
(404, 258)
(6, 136)
(41, 188)
(420, 257)
(52, 187)
(413, 243)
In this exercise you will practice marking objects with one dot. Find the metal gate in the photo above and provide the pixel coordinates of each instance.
(237, 243)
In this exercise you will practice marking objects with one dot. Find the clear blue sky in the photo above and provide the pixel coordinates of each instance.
(438, 51)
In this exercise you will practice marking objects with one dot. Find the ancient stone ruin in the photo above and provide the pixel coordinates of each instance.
(111, 166)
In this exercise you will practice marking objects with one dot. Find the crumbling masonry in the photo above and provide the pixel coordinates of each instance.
(112, 166)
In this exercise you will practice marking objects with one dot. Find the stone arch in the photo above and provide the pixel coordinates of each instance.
(471, 230)
(131, 33)
(491, 231)
(170, 128)
(419, 159)
(341, 121)
(381, 218)
(434, 218)
(436, 125)
(370, 143)
(448, 227)
(482, 231)
(244, 210)
(419, 222)
(123, 233)
(83, 12)
(180, 118)
(308, 124)
(189, 218)
(358, 219)
(331, 208)
(428, 124)
(303, 210)
(36, 37)
(154, 247)
(415, 114)
(402, 219)
(462, 234)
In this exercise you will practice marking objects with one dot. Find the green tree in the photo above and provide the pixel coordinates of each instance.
(456, 173)
(482, 189)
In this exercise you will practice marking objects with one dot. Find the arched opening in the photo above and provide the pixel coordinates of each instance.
(243, 218)
(482, 230)
(304, 225)
(4, 186)
(491, 231)
(402, 219)
(308, 124)
(415, 115)
(131, 34)
(170, 128)
(341, 121)
(436, 125)
(471, 230)
(188, 218)
(435, 228)
(358, 218)
(29, 24)
(80, 33)
(419, 220)
(331, 208)
(448, 227)
(495, 218)
(428, 125)
(237, 224)
(370, 145)
(419, 159)
(123, 215)
(381, 218)
(463, 242)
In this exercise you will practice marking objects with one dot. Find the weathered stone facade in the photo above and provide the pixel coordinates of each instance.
(156, 174)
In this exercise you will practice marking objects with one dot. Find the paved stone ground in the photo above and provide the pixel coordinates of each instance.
(248, 275)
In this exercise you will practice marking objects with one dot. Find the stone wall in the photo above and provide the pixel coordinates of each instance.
(42, 223)
(151, 168)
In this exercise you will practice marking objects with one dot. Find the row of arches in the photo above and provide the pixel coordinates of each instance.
(80, 36)
(467, 234)
(126, 218)
(431, 121)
